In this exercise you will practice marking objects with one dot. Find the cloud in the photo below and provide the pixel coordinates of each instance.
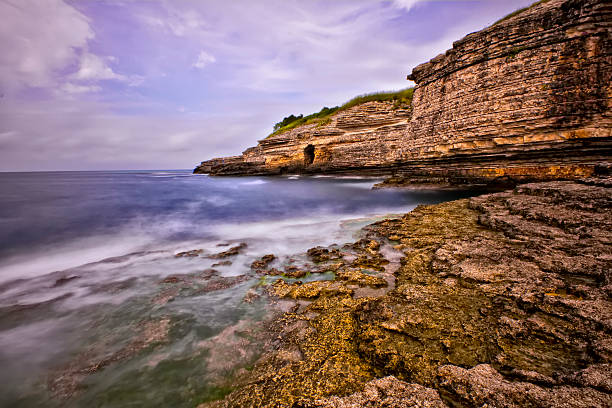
(177, 21)
(71, 88)
(94, 68)
(72, 135)
(203, 60)
(38, 39)
(405, 4)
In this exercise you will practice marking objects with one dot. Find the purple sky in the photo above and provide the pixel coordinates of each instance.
(122, 84)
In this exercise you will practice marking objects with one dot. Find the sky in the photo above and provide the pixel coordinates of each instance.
(144, 84)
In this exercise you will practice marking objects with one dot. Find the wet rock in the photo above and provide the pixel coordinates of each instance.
(206, 281)
(295, 273)
(208, 273)
(263, 262)
(251, 296)
(368, 262)
(356, 277)
(321, 254)
(222, 263)
(165, 295)
(308, 290)
(271, 272)
(221, 283)
(64, 280)
(233, 251)
(189, 254)
(173, 279)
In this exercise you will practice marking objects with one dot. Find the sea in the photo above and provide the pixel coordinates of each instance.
(97, 309)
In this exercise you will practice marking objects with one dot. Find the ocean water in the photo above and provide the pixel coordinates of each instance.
(96, 309)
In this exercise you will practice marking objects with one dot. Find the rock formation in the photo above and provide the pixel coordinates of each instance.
(501, 300)
(361, 137)
(526, 99)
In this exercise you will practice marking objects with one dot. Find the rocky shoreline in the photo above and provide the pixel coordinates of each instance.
(502, 299)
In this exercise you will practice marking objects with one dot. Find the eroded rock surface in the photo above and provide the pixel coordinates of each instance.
(502, 299)
(386, 392)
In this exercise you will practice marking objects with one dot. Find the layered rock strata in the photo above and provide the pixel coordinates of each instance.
(358, 138)
(502, 300)
(526, 99)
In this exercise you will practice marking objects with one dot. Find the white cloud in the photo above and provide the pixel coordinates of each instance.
(405, 4)
(38, 39)
(177, 21)
(86, 134)
(203, 60)
(94, 68)
(71, 88)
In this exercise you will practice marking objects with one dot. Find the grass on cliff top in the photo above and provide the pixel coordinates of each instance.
(401, 99)
(519, 11)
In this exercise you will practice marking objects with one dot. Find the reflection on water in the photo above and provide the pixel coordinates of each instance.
(95, 308)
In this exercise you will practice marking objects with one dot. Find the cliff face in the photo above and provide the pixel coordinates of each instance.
(365, 136)
(527, 98)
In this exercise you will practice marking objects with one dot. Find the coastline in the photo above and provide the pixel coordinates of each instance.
(501, 299)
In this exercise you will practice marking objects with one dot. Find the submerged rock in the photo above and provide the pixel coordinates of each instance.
(233, 251)
(263, 262)
(64, 280)
(189, 254)
(68, 381)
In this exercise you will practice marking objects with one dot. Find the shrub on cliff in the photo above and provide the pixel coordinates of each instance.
(401, 99)
(286, 121)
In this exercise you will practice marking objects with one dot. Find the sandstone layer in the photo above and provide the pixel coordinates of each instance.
(502, 300)
(525, 99)
(358, 138)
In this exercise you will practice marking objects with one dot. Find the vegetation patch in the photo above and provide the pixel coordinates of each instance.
(401, 99)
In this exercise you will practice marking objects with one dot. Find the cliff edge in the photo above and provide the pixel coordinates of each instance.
(523, 100)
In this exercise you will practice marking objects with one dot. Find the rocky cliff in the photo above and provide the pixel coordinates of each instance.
(361, 137)
(527, 98)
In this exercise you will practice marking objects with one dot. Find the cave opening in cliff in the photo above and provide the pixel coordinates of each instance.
(309, 154)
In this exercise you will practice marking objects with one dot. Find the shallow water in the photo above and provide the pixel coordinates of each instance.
(84, 310)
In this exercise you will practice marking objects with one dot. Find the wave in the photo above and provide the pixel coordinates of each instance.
(254, 183)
